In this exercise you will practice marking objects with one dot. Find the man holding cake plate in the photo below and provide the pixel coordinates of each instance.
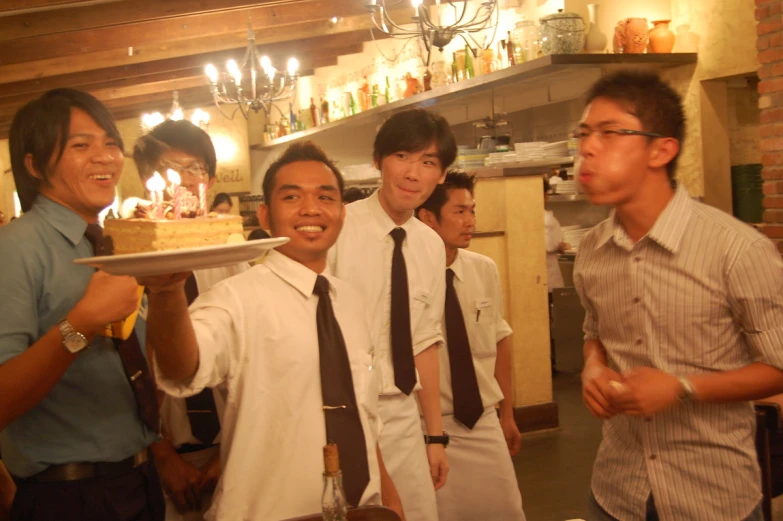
(292, 347)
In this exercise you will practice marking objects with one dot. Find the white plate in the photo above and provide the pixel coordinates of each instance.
(188, 259)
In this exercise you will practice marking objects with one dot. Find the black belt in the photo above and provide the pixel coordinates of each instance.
(186, 448)
(74, 471)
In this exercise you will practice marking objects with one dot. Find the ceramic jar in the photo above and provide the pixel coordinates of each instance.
(595, 40)
(661, 37)
(631, 36)
(562, 33)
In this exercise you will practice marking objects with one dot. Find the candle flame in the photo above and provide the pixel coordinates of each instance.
(173, 177)
(156, 183)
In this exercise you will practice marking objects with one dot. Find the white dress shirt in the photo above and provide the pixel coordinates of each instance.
(701, 292)
(174, 411)
(362, 257)
(477, 284)
(553, 236)
(257, 334)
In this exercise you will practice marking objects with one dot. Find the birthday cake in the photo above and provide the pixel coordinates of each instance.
(145, 235)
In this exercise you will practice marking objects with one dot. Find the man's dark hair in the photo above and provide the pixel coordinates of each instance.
(302, 151)
(414, 130)
(647, 97)
(180, 135)
(353, 194)
(257, 234)
(455, 179)
(41, 127)
(220, 198)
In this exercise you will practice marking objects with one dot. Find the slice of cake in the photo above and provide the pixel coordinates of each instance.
(145, 235)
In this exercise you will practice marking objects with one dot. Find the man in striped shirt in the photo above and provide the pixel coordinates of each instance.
(684, 321)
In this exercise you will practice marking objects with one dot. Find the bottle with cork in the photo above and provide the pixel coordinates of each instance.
(334, 506)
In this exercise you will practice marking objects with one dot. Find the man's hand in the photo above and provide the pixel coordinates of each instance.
(170, 282)
(511, 433)
(645, 391)
(107, 299)
(181, 481)
(211, 476)
(596, 389)
(439, 465)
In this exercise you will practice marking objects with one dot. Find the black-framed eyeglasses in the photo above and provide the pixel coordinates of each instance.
(198, 170)
(607, 134)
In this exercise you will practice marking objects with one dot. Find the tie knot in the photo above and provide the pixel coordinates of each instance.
(94, 234)
(321, 286)
(449, 276)
(398, 234)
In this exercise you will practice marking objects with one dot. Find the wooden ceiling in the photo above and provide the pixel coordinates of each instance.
(132, 54)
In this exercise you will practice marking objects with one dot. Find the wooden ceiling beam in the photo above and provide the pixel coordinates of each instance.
(87, 15)
(13, 7)
(203, 26)
(145, 53)
(317, 46)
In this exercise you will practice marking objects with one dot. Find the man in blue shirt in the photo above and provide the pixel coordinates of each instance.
(70, 429)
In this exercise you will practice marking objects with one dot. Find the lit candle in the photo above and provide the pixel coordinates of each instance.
(202, 199)
(176, 192)
(155, 186)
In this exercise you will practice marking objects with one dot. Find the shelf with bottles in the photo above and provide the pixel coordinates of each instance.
(537, 69)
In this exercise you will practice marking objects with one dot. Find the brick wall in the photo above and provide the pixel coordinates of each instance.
(770, 48)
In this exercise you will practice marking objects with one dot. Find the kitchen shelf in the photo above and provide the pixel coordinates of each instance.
(534, 69)
(566, 198)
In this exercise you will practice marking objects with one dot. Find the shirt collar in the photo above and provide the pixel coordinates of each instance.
(667, 231)
(457, 266)
(297, 275)
(62, 219)
(383, 223)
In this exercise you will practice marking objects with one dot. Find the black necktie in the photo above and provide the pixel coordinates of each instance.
(464, 386)
(401, 342)
(202, 412)
(343, 426)
(133, 362)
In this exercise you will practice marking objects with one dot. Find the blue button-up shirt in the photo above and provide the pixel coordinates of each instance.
(90, 414)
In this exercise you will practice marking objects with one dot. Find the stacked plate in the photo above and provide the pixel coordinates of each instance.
(566, 187)
(573, 235)
(468, 158)
(558, 149)
(501, 157)
(530, 151)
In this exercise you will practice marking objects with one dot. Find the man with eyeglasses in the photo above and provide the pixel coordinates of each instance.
(684, 320)
(188, 458)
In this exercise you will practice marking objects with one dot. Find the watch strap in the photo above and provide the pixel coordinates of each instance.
(439, 440)
(688, 392)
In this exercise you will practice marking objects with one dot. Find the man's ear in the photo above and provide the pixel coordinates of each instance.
(30, 166)
(263, 216)
(427, 217)
(663, 152)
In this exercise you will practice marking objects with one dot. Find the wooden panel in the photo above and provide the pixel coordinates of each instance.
(715, 144)
(537, 417)
(11, 6)
(105, 14)
(194, 27)
(151, 52)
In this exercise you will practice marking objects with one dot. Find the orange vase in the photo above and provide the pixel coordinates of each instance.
(661, 37)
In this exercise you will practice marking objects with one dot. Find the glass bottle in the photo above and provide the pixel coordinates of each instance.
(313, 112)
(324, 110)
(387, 94)
(525, 41)
(334, 506)
(469, 71)
(375, 95)
(510, 50)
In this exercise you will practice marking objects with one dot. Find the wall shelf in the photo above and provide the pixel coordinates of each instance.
(534, 69)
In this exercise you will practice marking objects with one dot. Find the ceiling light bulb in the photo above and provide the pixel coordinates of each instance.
(211, 72)
(233, 70)
(293, 66)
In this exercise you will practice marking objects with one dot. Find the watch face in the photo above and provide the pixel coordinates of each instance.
(75, 342)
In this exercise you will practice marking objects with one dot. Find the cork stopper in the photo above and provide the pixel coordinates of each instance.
(331, 459)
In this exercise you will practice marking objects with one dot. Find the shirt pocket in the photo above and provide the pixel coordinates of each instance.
(482, 314)
(420, 303)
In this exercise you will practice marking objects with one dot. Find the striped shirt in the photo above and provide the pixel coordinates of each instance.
(701, 292)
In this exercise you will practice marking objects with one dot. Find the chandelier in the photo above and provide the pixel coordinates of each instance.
(432, 33)
(149, 121)
(254, 84)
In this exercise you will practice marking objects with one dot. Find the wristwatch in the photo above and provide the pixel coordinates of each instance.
(440, 440)
(688, 393)
(73, 341)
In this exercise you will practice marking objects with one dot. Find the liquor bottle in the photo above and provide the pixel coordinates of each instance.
(324, 110)
(334, 506)
(352, 104)
(388, 91)
(375, 95)
(313, 112)
(510, 50)
(469, 71)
